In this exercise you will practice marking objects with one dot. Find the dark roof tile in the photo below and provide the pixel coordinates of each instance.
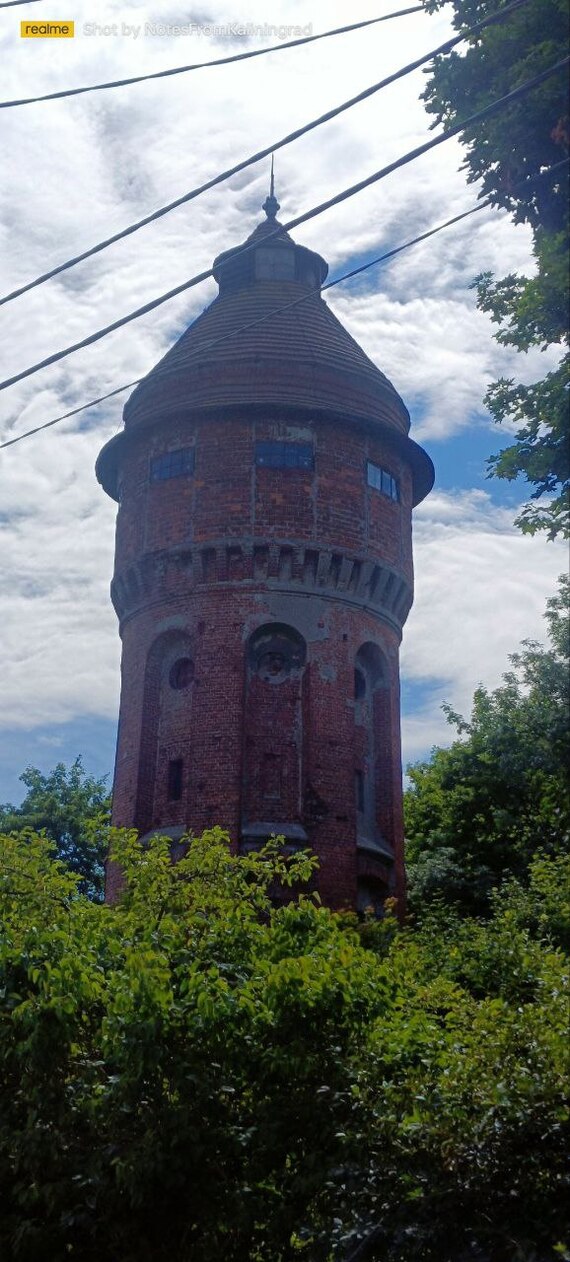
(243, 349)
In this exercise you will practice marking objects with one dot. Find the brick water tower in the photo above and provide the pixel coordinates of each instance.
(263, 573)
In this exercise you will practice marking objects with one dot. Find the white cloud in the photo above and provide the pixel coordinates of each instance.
(59, 635)
(437, 349)
(76, 171)
(481, 588)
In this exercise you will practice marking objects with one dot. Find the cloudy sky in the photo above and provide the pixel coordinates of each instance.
(78, 170)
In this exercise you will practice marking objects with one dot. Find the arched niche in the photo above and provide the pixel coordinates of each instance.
(371, 667)
(163, 783)
(372, 744)
(274, 733)
(275, 651)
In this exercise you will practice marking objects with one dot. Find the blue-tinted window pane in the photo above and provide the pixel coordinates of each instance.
(382, 481)
(284, 455)
(172, 464)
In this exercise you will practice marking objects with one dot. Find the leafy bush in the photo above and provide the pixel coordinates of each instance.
(199, 1073)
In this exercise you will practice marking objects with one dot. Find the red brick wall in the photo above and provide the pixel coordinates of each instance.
(202, 562)
(229, 496)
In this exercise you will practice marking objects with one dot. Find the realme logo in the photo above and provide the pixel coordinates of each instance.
(47, 30)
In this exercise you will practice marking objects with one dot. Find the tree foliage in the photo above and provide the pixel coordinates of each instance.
(71, 808)
(478, 811)
(519, 155)
(198, 1073)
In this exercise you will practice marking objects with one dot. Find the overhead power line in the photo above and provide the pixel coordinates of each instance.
(9, 4)
(262, 153)
(486, 112)
(203, 65)
(356, 271)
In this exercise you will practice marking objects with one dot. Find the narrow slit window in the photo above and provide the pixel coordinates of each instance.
(381, 480)
(271, 778)
(175, 769)
(359, 684)
(172, 464)
(359, 791)
(284, 455)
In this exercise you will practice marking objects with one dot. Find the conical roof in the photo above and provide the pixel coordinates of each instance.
(269, 340)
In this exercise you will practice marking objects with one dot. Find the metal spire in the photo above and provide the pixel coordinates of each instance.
(271, 205)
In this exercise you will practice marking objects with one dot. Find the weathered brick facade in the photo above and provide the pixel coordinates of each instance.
(261, 607)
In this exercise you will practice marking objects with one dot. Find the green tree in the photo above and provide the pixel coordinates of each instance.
(174, 1070)
(459, 1083)
(519, 156)
(71, 808)
(479, 811)
(199, 1073)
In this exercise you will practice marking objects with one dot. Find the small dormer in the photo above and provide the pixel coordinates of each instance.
(269, 254)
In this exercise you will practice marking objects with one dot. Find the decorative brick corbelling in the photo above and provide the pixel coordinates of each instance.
(278, 566)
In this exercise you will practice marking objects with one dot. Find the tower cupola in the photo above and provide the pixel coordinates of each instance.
(269, 339)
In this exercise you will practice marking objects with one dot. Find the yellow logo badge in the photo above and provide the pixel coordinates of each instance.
(47, 30)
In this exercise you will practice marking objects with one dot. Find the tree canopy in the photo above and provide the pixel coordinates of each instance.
(478, 811)
(71, 808)
(200, 1073)
(520, 155)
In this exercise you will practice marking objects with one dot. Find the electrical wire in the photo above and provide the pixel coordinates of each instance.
(262, 153)
(486, 112)
(382, 258)
(203, 65)
(10, 4)
(356, 271)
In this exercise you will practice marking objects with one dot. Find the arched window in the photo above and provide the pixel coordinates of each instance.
(359, 684)
(273, 732)
(371, 666)
(163, 783)
(181, 673)
(371, 774)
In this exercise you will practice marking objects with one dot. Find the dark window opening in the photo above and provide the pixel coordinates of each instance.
(359, 685)
(181, 673)
(175, 768)
(370, 898)
(274, 262)
(359, 790)
(172, 464)
(283, 455)
(271, 778)
(382, 481)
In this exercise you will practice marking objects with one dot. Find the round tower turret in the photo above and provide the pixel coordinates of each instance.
(265, 479)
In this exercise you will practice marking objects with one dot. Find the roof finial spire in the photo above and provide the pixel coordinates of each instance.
(271, 205)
